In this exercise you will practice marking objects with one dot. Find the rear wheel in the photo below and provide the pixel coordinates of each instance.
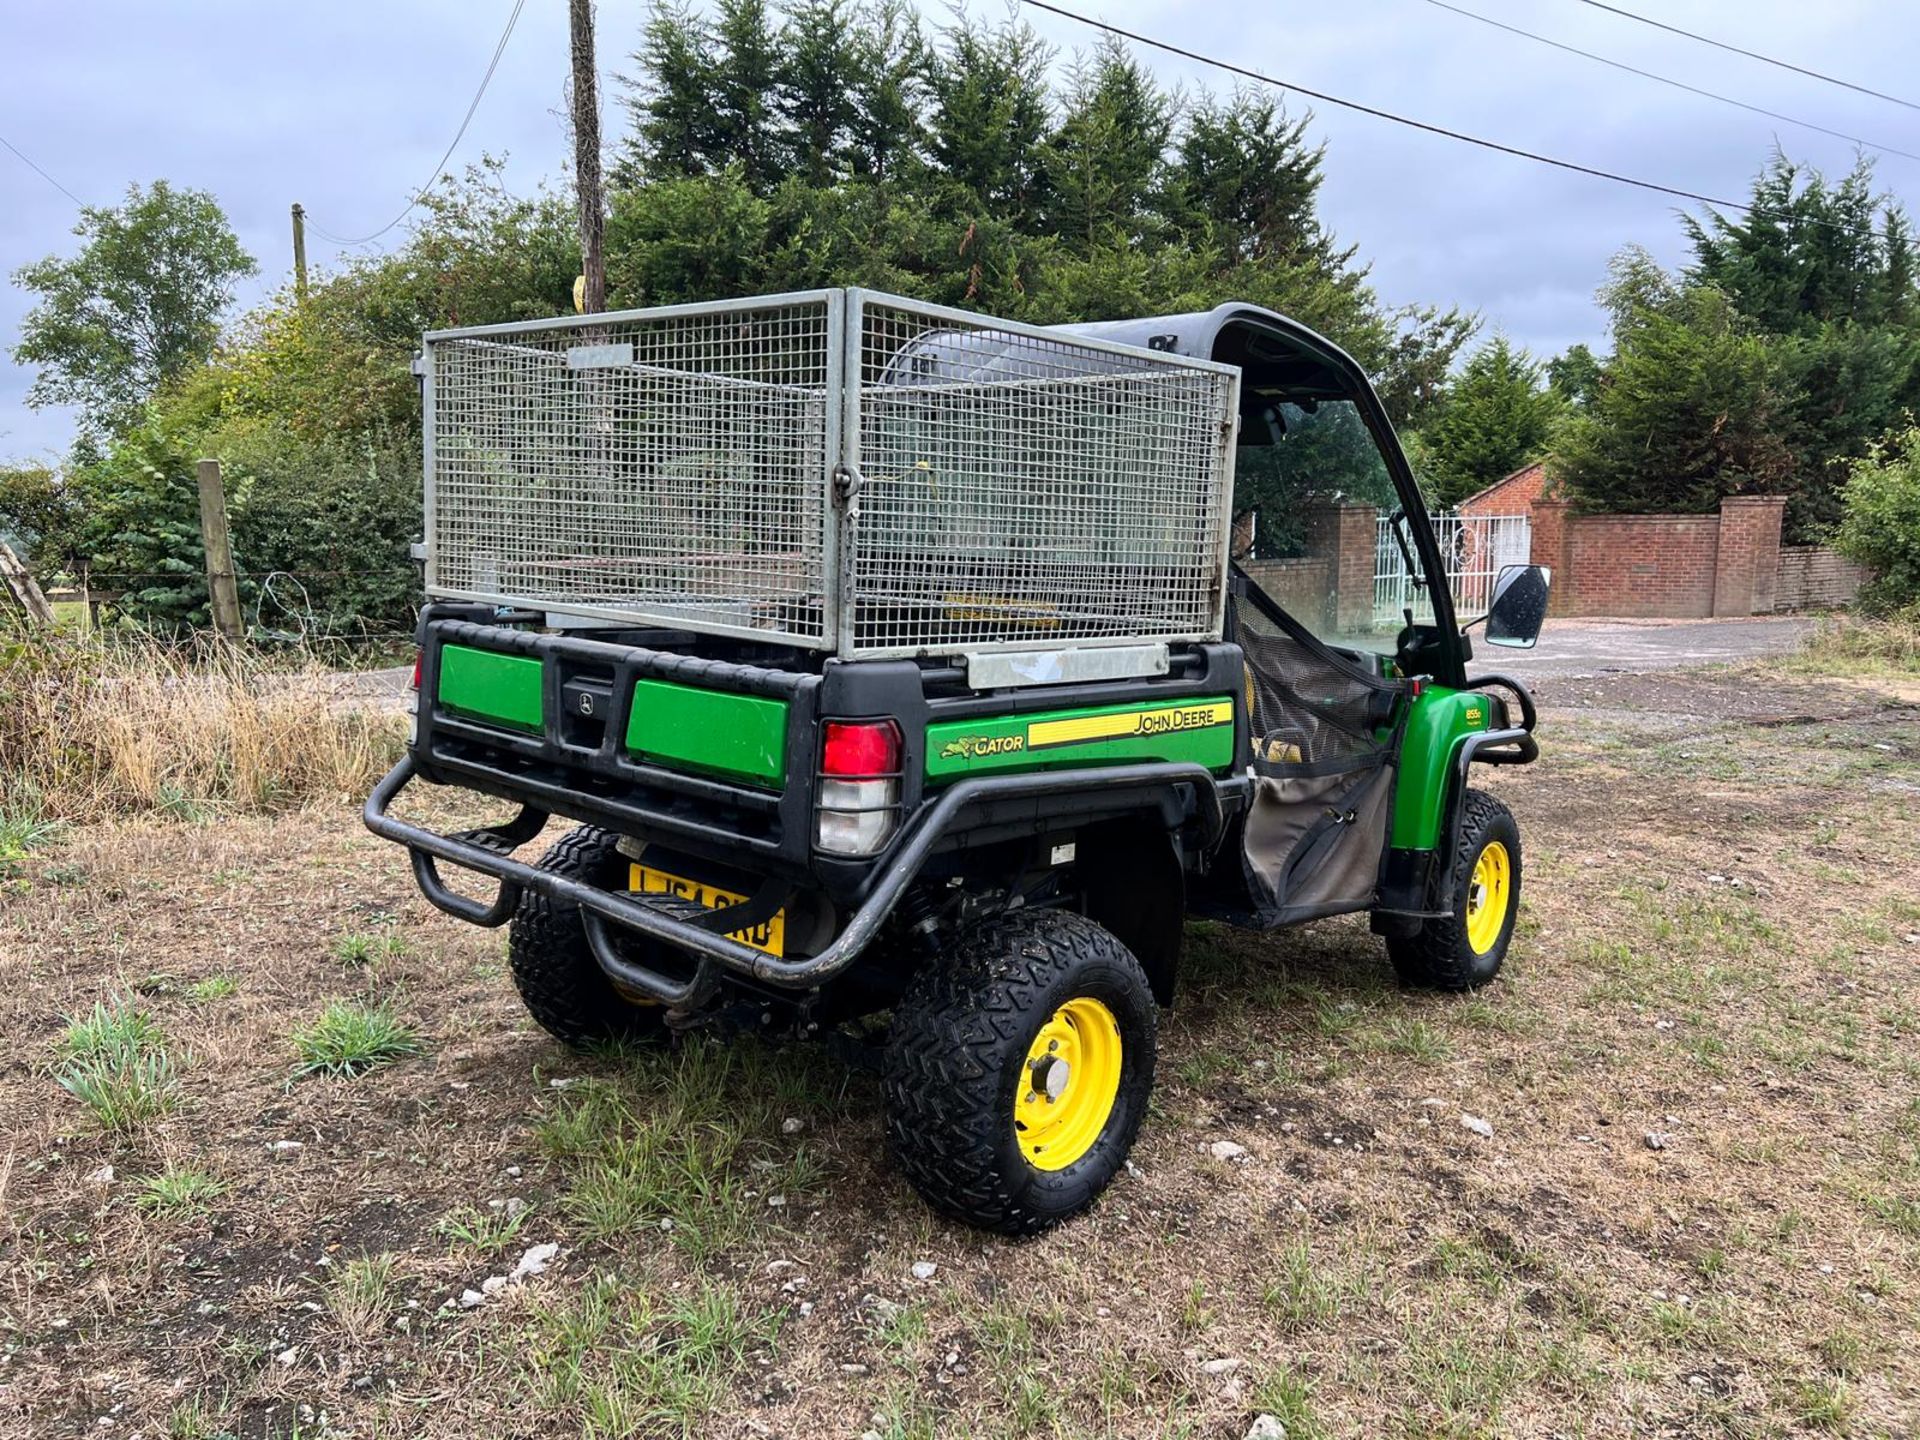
(1466, 949)
(560, 982)
(1018, 1069)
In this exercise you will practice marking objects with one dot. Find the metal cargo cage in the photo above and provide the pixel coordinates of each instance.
(838, 469)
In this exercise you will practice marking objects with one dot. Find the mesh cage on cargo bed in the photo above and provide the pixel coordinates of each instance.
(835, 469)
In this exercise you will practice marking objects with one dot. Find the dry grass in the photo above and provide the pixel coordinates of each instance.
(1852, 644)
(1715, 949)
(106, 726)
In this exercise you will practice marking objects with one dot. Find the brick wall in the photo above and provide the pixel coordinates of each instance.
(1747, 566)
(1303, 587)
(1642, 565)
(1347, 533)
(1812, 577)
(1515, 495)
(1662, 566)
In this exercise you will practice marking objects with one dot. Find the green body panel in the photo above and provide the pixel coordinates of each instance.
(1440, 721)
(505, 689)
(1199, 730)
(744, 735)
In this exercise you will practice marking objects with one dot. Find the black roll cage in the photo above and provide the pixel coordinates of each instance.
(1206, 335)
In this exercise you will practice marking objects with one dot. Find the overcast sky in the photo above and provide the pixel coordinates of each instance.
(344, 106)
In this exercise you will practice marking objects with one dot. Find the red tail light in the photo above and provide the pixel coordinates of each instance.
(415, 682)
(857, 809)
(865, 750)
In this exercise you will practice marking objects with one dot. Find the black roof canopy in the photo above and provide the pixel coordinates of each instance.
(1273, 352)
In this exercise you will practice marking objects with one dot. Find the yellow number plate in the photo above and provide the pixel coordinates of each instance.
(770, 937)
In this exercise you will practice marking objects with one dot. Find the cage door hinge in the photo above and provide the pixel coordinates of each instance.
(846, 486)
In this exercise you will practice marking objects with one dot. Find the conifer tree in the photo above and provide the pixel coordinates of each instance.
(888, 136)
(817, 87)
(747, 74)
(1106, 161)
(672, 104)
(1497, 417)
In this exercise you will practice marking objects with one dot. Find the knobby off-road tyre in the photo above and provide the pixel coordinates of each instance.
(1000, 1062)
(563, 987)
(1465, 950)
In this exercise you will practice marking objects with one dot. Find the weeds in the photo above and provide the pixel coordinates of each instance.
(689, 1161)
(487, 1231)
(23, 828)
(359, 951)
(117, 1065)
(1288, 1397)
(1825, 1402)
(111, 1027)
(1196, 1314)
(1300, 1297)
(1406, 1035)
(360, 1296)
(1843, 1353)
(194, 1419)
(214, 987)
(349, 1040)
(1899, 1212)
(178, 1194)
(94, 727)
(1850, 644)
(621, 1363)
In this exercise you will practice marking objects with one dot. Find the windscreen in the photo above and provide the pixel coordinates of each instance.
(1317, 501)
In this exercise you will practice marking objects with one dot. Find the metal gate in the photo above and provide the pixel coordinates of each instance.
(1474, 549)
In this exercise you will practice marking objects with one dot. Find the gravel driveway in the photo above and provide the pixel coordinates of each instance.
(1572, 648)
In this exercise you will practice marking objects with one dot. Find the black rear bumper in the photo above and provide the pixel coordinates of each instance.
(1187, 790)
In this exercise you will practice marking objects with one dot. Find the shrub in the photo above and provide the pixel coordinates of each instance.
(1880, 521)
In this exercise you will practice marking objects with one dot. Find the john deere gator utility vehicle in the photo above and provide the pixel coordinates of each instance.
(893, 660)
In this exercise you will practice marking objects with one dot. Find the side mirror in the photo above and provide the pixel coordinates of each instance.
(1519, 606)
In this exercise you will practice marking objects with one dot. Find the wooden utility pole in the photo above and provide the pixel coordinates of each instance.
(213, 534)
(299, 252)
(586, 158)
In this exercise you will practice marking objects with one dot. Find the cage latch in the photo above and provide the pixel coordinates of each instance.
(846, 485)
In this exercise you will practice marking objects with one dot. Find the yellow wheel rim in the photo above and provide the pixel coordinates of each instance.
(1488, 894)
(1068, 1083)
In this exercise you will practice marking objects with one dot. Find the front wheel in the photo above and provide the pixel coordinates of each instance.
(1465, 949)
(1018, 1068)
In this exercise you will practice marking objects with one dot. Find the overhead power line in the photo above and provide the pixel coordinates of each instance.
(1380, 114)
(420, 194)
(1676, 84)
(28, 161)
(1744, 207)
(1750, 54)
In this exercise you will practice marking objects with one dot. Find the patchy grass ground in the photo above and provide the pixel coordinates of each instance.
(309, 1113)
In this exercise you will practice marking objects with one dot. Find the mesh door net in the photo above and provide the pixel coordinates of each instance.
(1309, 710)
(1324, 736)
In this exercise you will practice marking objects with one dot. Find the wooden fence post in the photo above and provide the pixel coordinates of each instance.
(213, 534)
(17, 584)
